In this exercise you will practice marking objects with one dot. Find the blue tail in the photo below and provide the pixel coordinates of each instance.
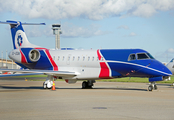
(19, 37)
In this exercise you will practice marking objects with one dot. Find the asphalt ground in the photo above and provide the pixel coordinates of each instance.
(27, 100)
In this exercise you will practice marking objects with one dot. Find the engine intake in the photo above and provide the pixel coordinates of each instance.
(34, 55)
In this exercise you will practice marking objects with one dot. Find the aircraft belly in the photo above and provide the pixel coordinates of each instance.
(84, 72)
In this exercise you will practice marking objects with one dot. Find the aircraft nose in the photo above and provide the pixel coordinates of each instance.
(167, 71)
(163, 70)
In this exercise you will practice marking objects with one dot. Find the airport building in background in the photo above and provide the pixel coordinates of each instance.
(8, 64)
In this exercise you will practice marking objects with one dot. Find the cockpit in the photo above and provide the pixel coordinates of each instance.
(140, 56)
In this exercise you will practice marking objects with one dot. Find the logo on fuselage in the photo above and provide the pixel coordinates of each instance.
(19, 40)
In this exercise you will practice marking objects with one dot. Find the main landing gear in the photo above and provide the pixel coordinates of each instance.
(48, 83)
(152, 86)
(88, 84)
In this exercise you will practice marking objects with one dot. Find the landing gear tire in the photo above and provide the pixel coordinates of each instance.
(155, 87)
(87, 84)
(84, 85)
(44, 85)
(150, 88)
(47, 84)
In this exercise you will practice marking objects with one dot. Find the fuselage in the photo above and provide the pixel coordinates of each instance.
(96, 64)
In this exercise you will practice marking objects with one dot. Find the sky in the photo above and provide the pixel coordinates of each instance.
(94, 24)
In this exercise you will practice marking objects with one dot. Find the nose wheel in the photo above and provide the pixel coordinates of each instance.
(152, 86)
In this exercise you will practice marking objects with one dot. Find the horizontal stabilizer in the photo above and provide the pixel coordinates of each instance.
(16, 23)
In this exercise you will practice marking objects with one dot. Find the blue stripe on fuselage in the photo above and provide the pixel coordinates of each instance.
(26, 53)
(118, 63)
(119, 54)
(42, 63)
(119, 69)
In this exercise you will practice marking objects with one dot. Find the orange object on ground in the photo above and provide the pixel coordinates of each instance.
(53, 88)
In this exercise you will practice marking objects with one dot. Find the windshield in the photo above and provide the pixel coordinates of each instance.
(144, 56)
(140, 56)
(150, 56)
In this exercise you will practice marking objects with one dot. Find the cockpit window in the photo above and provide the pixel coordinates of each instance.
(150, 56)
(131, 57)
(142, 56)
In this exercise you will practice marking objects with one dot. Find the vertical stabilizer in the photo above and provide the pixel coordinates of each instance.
(19, 37)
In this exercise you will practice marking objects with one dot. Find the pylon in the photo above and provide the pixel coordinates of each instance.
(53, 88)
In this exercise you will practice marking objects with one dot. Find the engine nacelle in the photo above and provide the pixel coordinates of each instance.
(34, 55)
(25, 55)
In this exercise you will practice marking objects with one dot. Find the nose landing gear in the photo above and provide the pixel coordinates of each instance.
(152, 86)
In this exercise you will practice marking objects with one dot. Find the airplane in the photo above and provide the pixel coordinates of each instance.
(170, 66)
(73, 65)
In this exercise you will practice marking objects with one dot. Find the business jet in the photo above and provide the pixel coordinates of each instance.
(86, 65)
(170, 66)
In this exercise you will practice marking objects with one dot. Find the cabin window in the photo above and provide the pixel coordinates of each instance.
(63, 58)
(142, 56)
(78, 58)
(83, 58)
(58, 58)
(68, 58)
(132, 57)
(73, 58)
(88, 58)
(92, 58)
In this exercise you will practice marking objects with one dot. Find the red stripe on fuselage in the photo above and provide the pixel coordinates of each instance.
(104, 72)
(55, 67)
(23, 58)
(98, 54)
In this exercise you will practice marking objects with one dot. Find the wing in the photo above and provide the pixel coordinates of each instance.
(38, 72)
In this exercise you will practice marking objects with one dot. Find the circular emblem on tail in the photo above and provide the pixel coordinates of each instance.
(19, 40)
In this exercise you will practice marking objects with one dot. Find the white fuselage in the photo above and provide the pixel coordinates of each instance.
(84, 62)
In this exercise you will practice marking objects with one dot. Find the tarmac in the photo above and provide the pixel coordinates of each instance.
(27, 100)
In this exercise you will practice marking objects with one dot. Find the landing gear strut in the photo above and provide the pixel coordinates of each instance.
(48, 83)
(87, 84)
(152, 86)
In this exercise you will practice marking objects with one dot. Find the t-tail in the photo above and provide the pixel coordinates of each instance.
(19, 37)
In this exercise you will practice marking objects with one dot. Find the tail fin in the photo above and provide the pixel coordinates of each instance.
(19, 37)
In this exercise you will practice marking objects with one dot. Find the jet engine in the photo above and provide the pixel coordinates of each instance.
(25, 55)
(34, 55)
